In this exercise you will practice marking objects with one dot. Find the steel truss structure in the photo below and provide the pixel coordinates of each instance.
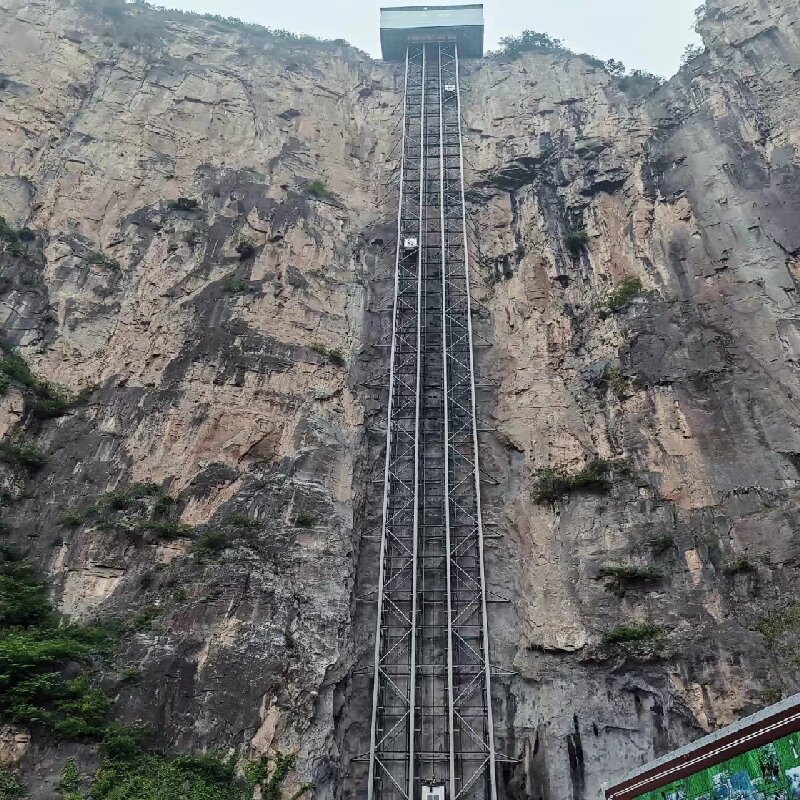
(432, 711)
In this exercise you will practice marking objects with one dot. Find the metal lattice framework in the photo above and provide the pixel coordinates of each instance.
(432, 713)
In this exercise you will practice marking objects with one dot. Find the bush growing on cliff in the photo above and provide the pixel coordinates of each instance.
(552, 483)
(102, 260)
(45, 398)
(620, 297)
(738, 565)
(629, 573)
(22, 453)
(246, 248)
(9, 788)
(575, 242)
(632, 634)
(530, 42)
(34, 652)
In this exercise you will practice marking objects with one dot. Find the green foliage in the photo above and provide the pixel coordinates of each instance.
(45, 398)
(304, 521)
(616, 380)
(639, 82)
(575, 242)
(632, 634)
(630, 573)
(246, 248)
(552, 483)
(119, 500)
(143, 621)
(183, 204)
(101, 259)
(269, 773)
(23, 453)
(33, 654)
(211, 543)
(235, 285)
(530, 42)
(738, 565)
(70, 777)
(168, 529)
(777, 625)
(318, 190)
(23, 596)
(335, 356)
(620, 297)
(9, 788)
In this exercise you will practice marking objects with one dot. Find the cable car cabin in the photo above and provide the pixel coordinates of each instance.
(462, 25)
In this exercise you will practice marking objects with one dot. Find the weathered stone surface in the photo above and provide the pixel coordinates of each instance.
(244, 380)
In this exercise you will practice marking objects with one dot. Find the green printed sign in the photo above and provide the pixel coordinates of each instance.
(771, 771)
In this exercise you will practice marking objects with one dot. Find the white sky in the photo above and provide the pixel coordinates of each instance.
(643, 34)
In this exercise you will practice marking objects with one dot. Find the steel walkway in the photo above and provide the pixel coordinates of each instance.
(431, 707)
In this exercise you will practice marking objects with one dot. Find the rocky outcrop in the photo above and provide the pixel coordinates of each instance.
(209, 239)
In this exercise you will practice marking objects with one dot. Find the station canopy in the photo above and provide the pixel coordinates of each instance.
(406, 25)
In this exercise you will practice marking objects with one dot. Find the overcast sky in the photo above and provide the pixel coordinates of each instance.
(645, 34)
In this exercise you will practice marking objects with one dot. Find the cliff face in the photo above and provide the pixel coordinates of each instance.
(210, 241)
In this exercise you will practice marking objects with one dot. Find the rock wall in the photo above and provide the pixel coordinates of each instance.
(210, 240)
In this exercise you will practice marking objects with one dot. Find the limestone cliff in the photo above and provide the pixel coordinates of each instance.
(208, 208)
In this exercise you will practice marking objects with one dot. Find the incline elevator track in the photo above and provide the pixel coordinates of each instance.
(431, 731)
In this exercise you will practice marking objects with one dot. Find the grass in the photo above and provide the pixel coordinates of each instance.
(618, 299)
(240, 521)
(636, 633)
(575, 242)
(552, 483)
(304, 521)
(168, 529)
(740, 564)
(630, 573)
(23, 453)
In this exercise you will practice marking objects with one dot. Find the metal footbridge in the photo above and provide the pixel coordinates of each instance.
(431, 729)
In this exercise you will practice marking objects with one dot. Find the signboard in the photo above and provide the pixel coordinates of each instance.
(770, 772)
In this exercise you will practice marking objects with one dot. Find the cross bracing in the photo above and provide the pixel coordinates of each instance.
(432, 715)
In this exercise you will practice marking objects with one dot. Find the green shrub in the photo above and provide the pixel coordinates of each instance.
(70, 777)
(9, 788)
(304, 521)
(143, 621)
(632, 634)
(616, 380)
(621, 296)
(337, 358)
(235, 285)
(318, 190)
(122, 499)
(22, 453)
(211, 543)
(630, 573)
(530, 41)
(168, 529)
(778, 624)
(737, 565)
(23, 596)
(45, 398)
(246, 248)
(552, 483)
(240, 521)
(575, 242)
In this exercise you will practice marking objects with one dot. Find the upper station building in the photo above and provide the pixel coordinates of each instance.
(462, 25)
